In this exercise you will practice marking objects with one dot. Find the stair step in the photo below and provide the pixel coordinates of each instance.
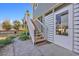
(39, 41)
(43, 43)
(38, 37)
(38, 34)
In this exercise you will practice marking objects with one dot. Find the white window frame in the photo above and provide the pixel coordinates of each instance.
(61, 40)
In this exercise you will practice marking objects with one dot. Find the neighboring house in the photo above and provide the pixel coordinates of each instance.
(59, 23)
(1, 27)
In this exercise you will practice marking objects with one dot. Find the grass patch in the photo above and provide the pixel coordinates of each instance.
(6, 41)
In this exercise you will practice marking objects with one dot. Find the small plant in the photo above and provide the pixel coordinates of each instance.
(23, 36)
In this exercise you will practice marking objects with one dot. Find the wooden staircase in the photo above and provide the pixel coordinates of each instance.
(39, 39)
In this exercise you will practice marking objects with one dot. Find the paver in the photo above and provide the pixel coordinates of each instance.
(54, 50)
(7, 50)
(26, 48)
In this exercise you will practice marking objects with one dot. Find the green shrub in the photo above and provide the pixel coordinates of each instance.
(23, 36)
(28, 33)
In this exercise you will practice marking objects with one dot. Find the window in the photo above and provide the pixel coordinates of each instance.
(62, 23)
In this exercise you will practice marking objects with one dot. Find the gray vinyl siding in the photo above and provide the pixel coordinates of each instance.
(76, 27)
(42, 8)
(40, 11)
(49, 20)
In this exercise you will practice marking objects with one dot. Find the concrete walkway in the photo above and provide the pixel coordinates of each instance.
(26, 48)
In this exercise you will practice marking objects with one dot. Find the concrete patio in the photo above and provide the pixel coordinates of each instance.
(26, 48)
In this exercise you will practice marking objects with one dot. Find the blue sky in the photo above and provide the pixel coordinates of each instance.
(14, 11)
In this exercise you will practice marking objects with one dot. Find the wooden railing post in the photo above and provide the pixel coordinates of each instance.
(30, 26)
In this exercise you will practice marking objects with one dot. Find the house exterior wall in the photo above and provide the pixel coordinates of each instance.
(49, 24)
(43, 8)
(76, 27)
(63, 40)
